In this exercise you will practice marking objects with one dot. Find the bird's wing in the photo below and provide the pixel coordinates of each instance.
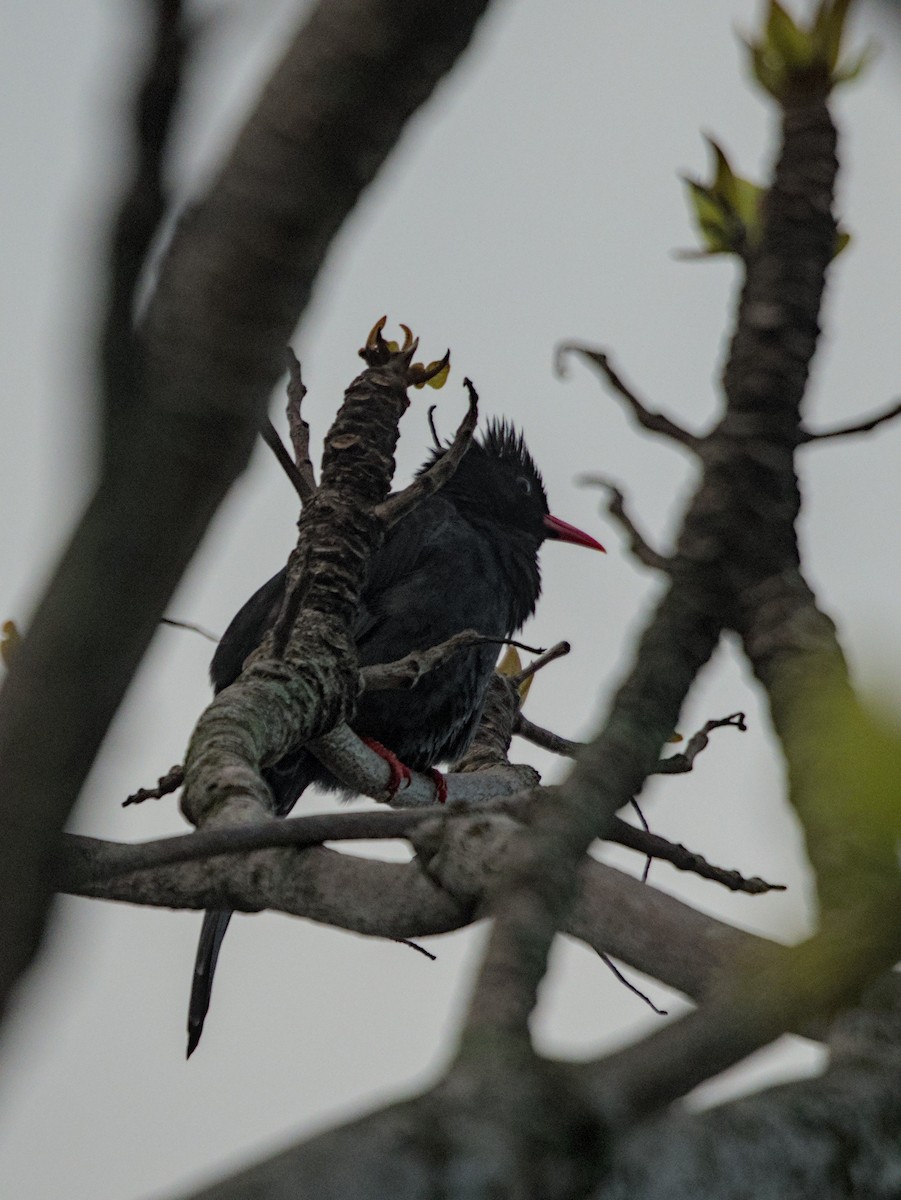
(246, 631)
(433, 577)
(422, 552)
(402, 553)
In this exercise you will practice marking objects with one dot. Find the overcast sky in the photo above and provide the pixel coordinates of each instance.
(535, 199)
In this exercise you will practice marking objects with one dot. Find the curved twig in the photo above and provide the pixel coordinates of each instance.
(616, 507)
(656, 422)
(806, 436)
(439, 472)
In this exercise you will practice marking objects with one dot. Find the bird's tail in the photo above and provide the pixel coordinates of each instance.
(286, 781)
(212, 932)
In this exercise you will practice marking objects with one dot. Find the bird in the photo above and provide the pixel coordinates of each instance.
(464, 558)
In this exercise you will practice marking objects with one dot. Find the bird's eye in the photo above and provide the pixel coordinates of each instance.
(524, 484)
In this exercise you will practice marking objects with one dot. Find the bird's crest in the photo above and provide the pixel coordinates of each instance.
(502, 441)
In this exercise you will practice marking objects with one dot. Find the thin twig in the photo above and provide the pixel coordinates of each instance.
(406, 672)
(806, 436)
(636, 808)
(675, 764)
(435, 438)
(679, 764)
(438, 473)
(298, 428)
(608, 962)
(683, 859)
(560, 650)
(176, 624)
(656, 422)
(539, 736)
(616, 507)
(165, 785)
(416, 946)
(270, 436)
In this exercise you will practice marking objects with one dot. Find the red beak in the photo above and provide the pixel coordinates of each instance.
(562, 531)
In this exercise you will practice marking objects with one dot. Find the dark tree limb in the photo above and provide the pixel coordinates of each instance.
(738, 531)
(656, 422)
(86, 861)
(615, 913)
(303, 679)
(141, 208)
(233, 284)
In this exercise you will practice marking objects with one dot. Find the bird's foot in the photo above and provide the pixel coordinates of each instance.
(400, 772)
(440, 785)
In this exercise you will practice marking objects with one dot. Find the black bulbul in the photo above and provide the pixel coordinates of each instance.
(465, 558)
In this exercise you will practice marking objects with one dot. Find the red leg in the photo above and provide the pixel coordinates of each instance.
(400, 773)
(440, 785)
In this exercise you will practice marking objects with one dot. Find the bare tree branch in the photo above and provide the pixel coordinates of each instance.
(807, 436)
(298, 428)
(545, 658)
(272, 438)
(680, 764)
(165, 786)
(656, 422)
(683, 859)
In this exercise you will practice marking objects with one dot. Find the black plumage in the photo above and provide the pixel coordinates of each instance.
(465, 558)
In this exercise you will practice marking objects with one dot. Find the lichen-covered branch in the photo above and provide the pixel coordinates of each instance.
(303, 680)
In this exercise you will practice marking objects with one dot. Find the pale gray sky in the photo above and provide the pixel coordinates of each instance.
(535, 199)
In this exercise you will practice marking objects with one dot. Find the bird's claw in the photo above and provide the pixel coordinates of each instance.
(400, 772)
